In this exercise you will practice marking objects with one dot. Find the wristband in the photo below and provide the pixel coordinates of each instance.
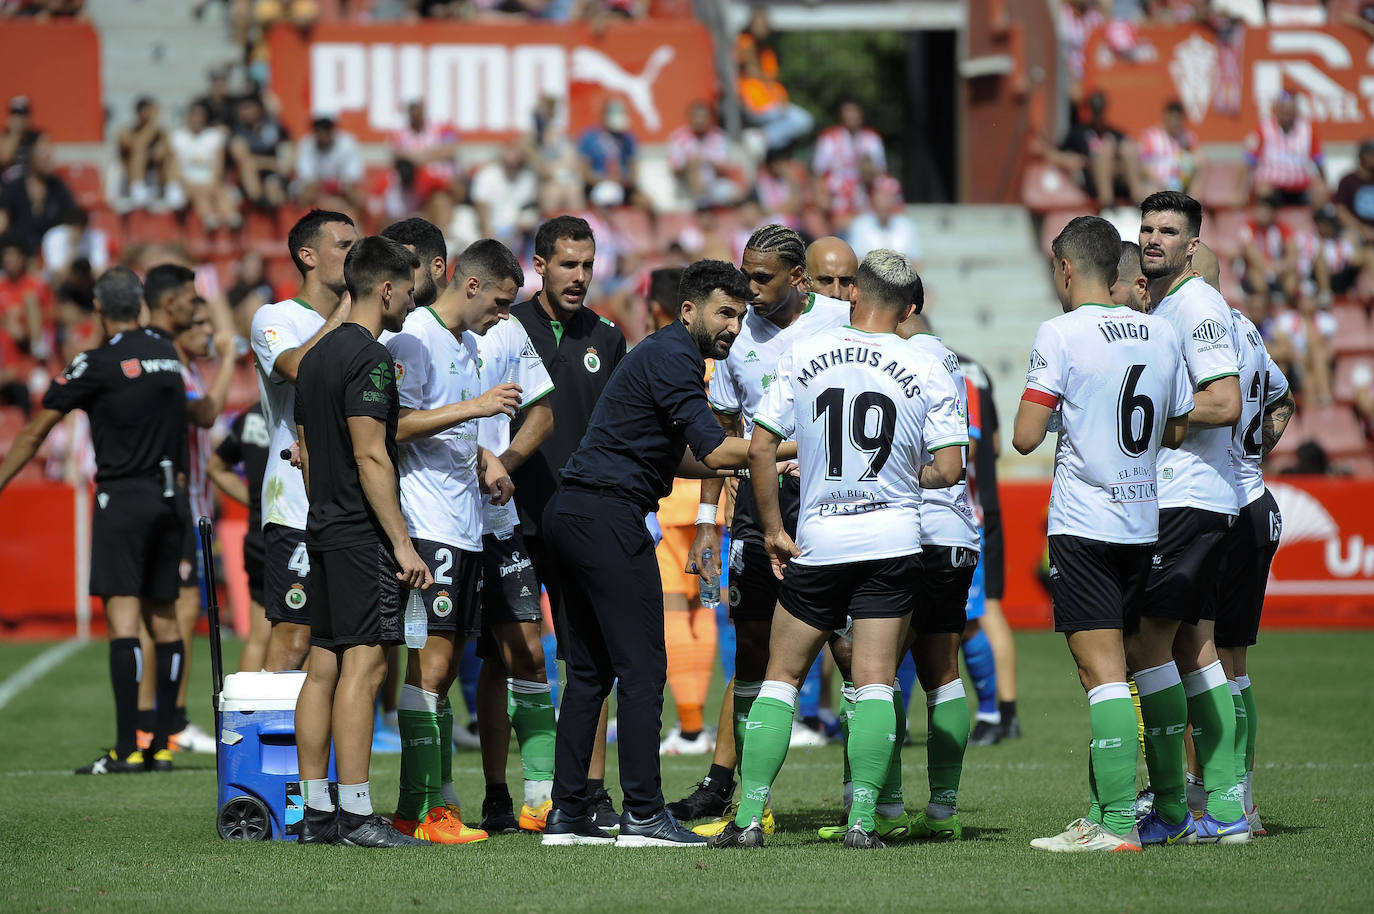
(706, 514)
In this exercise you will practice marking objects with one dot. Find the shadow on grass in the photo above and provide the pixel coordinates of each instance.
(808, 819)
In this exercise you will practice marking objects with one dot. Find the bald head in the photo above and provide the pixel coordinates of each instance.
(1206, 265)
(830, 267)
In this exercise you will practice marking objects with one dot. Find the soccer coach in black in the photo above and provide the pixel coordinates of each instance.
(652, 410)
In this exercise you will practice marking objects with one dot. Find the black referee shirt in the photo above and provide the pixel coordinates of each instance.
(654, 408)
(131, 388)
(580, 355)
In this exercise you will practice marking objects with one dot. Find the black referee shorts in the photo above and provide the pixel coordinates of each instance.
(942, 589)
(1094, 584)
(1247, 553)
(136, 541)
(823, 595)
(360, 597)
(453, 602)
(753, 586)
(1184, 580)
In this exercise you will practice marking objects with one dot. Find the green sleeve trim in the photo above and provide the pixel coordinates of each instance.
(722, 410)
(1224, 374)
(941, 447)
(605, 321)
(760, 421)
(1187, 412)
(1278, 396)
(537, 397)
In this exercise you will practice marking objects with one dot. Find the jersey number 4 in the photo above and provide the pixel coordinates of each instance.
(871, 427)
(1135, 415)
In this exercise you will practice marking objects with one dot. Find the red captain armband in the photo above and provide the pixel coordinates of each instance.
(1049, 401)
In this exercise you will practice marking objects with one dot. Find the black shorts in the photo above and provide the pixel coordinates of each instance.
(753, 586)
(188, 569)
(136, 541)
(359, 597)
(1094, 584)
(510, 590)
(1183, 582)
(823, 595)
(1247, 552)
(290, 585)
(453, 601)
(994, 557)
(942, 589)
(255, 566)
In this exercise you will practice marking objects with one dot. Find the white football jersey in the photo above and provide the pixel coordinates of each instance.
(1198, 474)
(740, 381)
(864, 409)
(439, 494)
(278, 327)
(1117, 376)
(1261, 383)
(947, 515)
(507, 355)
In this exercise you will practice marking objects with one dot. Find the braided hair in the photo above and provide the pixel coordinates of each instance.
(781, 240)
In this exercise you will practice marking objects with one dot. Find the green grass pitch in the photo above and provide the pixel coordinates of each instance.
(148, 843)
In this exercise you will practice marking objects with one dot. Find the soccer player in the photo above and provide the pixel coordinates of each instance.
(443, 473)
(830, 267)
(1131, 288)
(1118, 380)
(775, 262)
(865, 406)
(282, 333)
(346, 414)
(132, 392)
(1173, 655)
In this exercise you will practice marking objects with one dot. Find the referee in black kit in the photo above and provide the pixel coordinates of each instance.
(131, 389)
(653, 409)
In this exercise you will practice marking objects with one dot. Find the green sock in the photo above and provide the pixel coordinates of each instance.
(745, 693)
(417, 718)
(444, 719)
(870, 749)
(947, 720)
(846, 712)
(891, 792)
(1113, 753)
(1094, 801)
(530, 707)
(1164, 709)
(1242, 730)
(1247, 695)
(1213, 716)
(768, 732)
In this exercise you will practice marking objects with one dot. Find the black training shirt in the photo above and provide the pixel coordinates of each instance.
(654, 408)
(247, 444)
(580, 354)
(347, 373)
(131, 388)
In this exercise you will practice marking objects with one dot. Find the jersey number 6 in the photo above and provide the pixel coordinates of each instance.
(1134, 443)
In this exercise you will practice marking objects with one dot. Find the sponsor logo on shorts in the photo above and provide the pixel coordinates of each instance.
(443, 604)
(1156, 560)
(734, 596)
(591, 361)
(1054, 572)
(103, 499)
(525, 592)
(295, 597)
(517, 564)
(1275, 526)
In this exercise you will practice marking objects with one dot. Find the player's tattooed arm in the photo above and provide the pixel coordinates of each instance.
(1276, 417)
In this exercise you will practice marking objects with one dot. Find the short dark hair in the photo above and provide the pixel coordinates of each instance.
(119, 294)
(703, 277)
(549, 233)
(1174, 107)
(490, 261)
(1129, 265)
(12, 240)
(424, 236)
(1092, 245)
(306, 232)
(887, 279)
(1171, 201)
(164, 279)
(375, 260)
(664, 284)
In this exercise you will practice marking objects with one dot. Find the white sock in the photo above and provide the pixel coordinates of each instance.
(992, 717)
(356, 798)
(450, 794)
(1195, 792)
(1247, 791)
(778, 691)
(537, 793)
(316, 792)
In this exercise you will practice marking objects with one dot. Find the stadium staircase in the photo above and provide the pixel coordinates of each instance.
(987, 290)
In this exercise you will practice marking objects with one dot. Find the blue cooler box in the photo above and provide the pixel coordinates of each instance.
(259, 779)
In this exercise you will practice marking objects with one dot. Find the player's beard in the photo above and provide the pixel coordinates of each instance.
(426, 293)
(709, 345)
(1169, 266)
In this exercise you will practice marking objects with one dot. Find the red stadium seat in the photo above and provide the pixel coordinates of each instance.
(1293, 435)
(670, 227)
(85, 183)
(1353, 332)
(260, 233)
(1337, 430)
(1053, 223)
(634, 225)
(1353, 373)
(1221, 231)
(1361, 465)
(143, 226)
(1221, 185)
(1046, 187)
(1298, 218)
(283, 276)
(243, 390)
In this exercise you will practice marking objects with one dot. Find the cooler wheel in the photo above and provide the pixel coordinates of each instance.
(244, 819)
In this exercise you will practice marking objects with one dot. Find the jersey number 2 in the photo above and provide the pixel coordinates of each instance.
(872, 424)
(1252, 440)
(1130, 405)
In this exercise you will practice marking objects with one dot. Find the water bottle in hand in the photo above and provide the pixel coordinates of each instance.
(417, 620)
(710, 589)
(498, 520)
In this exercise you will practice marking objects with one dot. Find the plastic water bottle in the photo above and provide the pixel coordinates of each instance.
(417, 620)
(498, 520)
(710, 589)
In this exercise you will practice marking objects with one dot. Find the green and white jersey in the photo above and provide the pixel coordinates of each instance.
(947, 515)
(1261, 383)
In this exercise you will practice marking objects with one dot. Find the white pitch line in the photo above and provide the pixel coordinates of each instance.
(36, 668)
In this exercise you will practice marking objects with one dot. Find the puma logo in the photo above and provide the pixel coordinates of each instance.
(591, 66)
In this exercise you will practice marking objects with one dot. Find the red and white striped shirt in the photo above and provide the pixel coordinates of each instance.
(1271, 241)
(1074, 29)
(712, 150)
(1284, 161)
(1338, 252)
(1167, 160)
(199, 449)
(433, 135)
(838, 160)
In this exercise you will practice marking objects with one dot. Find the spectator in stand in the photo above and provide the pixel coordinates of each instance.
(23, 298)
(145, 159)
(781, 187)
(506, 195)
(764, 100)
(198, 151)
(608, 152)
(74, 238)
(886, 225)
(1329, 261)
(1166, 154)
(14, 389)
(1354, 196)
(845, 153)
(19, 134)
(556, 161)
(33, 197)
(1358, 14)
(259, 150)
(1077, 19)
(250, 291)
(1285, 157)
(699, 155)
(1270, 252)
(221, 104)
(77, 327)
(425, 155)
(1100, 154)
(1299, 340)
(329, 167)
(1312, 461)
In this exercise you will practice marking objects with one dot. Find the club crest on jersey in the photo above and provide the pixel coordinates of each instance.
(295, 597)
(1037, 361)
(1209, 331)
(132, 368)
(443, 604)
(591, 361)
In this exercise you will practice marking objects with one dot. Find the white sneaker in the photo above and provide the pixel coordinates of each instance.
(804, 737)
(1256, 826)
(676, 744)
(1082, 835)
(194, 739)
(463, 738)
